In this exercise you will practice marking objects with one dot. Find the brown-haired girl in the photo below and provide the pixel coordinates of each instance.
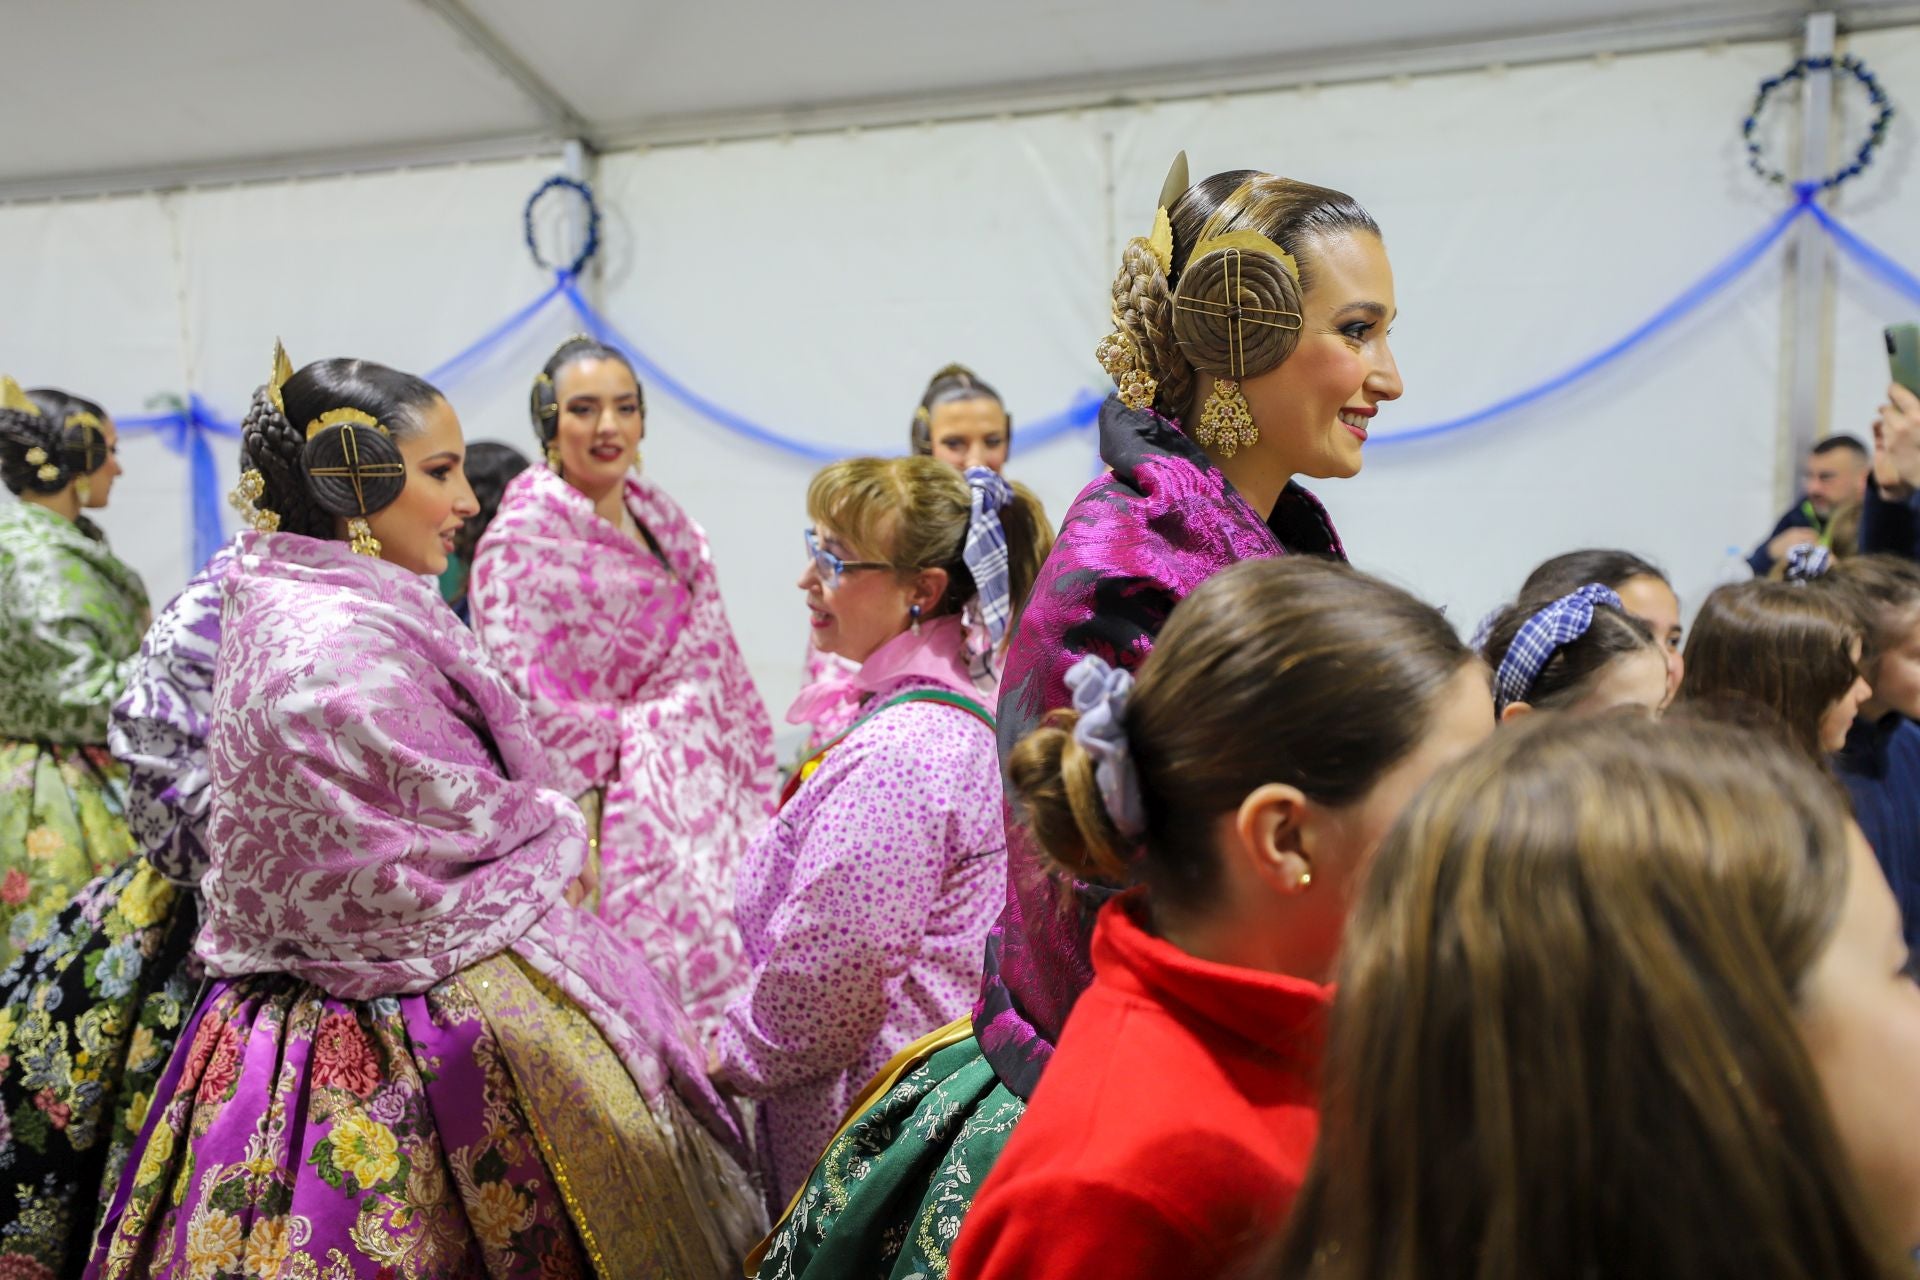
(1288, 712)
(865, 904)
(1786, 647)
(1624, 999)
(1580, 652)
(1880, 763)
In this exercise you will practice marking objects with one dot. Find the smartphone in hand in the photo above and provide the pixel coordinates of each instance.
(1903, 355)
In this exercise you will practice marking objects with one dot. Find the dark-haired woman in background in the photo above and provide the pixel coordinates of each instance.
(1250, 348)
(962, 422)
(71, 617)
(1289, 710)
(490, 467)
(417, 1056)
(1580, 652)
(597, 596)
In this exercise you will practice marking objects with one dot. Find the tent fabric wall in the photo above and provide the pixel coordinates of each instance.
(1532, 216)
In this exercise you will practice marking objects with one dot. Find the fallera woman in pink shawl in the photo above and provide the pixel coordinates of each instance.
(416, 1057)
(596, 595)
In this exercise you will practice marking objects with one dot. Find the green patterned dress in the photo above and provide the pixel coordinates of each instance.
(71, 617)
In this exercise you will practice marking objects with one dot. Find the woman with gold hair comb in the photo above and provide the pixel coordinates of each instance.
(1249, 349)
(71, 617)
(415, 1055)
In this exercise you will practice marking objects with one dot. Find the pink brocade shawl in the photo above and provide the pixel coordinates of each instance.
(381, 818)
(636, 685)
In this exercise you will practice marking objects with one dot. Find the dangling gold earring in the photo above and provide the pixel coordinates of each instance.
(361, 539)
(83, 490)
(1226, 420)
(553, 456)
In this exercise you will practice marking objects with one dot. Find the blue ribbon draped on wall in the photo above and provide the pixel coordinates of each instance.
(191, 429)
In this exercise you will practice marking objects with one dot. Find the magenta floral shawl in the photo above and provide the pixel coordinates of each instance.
(636, 686)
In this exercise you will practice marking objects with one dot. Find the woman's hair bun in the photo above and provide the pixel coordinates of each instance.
(1236, 313)
(352, 465)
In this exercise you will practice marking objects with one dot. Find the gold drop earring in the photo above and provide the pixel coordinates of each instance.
(1226, 420)
(360, 537)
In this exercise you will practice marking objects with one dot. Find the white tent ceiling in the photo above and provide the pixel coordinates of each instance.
(123, 94)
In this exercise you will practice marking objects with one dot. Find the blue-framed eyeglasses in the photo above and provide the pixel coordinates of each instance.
(830, 566)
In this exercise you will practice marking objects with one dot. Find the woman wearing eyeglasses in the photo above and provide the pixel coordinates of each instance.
(962, 422)
(596, 594)
(866, 902)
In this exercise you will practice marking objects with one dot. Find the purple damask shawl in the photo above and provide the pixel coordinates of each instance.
(159, 727)
(1135, 543)
(381, 814)
(637, 686)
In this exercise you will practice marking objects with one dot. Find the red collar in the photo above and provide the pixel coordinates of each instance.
(1276, 1012)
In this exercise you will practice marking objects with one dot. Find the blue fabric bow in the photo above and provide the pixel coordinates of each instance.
(1100, 695)
(1543, 635)
(1808, 562)
(985, 553)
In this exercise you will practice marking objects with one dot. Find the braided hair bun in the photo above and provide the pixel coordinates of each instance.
(48, 439)
(1236, 312)
(352, 465)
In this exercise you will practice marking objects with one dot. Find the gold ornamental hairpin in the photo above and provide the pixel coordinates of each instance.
(12, 397)
(282, 370)
(344, 418)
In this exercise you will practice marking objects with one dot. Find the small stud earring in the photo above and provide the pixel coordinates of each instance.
(913, 612)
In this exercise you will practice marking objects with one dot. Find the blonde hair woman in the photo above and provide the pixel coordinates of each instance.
(865, 903)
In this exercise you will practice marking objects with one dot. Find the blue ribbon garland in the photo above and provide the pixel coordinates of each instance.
(189, 432)
(1729, 270)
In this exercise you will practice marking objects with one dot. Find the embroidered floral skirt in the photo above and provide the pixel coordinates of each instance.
(886, 1200)
(88, 1016)
(62, 822)
(484, 1128)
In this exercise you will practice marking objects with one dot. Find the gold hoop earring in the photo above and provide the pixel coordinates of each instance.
(1226, 420)
(360, 537)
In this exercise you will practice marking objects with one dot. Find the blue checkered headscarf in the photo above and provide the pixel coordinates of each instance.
(985, 554)
(1543, 635)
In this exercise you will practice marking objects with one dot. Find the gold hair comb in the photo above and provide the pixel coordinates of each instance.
(282, 370)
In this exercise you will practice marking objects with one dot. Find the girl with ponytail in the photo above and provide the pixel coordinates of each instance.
(1289, 710)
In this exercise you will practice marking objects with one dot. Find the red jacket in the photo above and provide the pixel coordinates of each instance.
(1172, 1128)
